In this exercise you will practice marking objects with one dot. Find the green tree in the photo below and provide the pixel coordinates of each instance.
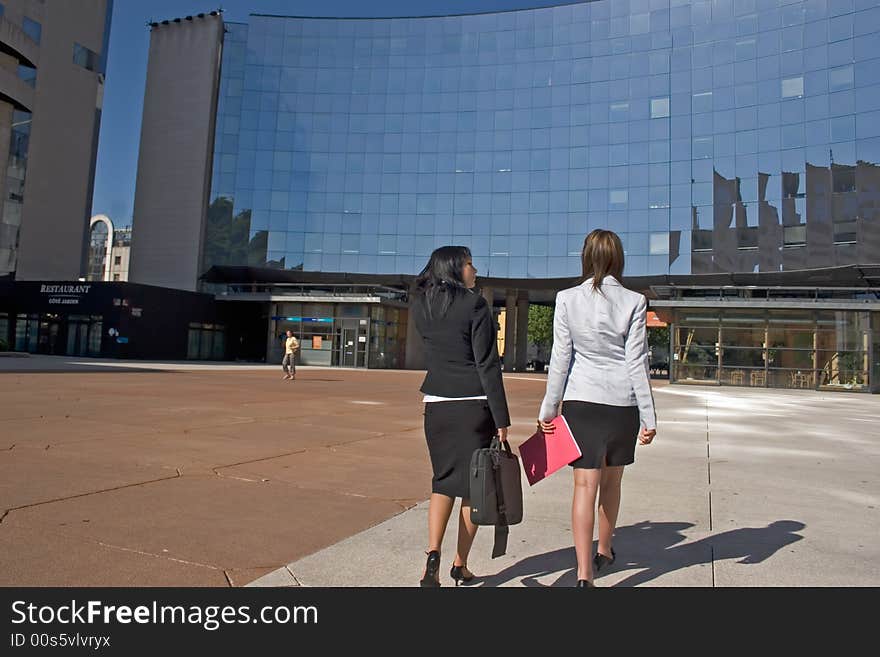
(258, 248)
(658, 338)
(226, 236)
(540, 331)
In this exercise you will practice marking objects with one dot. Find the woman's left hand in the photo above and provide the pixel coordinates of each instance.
(646, 436)
(546, 427)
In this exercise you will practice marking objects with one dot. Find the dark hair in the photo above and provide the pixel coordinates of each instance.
(440, 281)
(602, 256)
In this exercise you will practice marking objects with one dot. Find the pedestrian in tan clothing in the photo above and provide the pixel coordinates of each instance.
(288, 364)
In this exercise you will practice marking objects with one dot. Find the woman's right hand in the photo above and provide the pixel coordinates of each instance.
(646, 436)
(502, 434)
(546, 427)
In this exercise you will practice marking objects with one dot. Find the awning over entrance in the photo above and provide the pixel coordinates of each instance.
(654, 321)
(543, 290)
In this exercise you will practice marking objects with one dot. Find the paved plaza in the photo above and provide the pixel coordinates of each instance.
(178, 474)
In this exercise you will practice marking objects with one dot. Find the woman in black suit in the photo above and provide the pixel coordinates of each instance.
(465, 404)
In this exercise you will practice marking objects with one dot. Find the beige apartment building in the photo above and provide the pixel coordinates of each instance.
(52, 65)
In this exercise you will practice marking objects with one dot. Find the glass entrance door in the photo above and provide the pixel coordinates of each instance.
(348, 345)
(78, 336)
(47, 342)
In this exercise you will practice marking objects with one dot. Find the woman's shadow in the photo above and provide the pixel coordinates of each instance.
(652, 549)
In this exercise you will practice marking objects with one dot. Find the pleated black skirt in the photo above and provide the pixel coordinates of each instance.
(606, 434)
(453, 431)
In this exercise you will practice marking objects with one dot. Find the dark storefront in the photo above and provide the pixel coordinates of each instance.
(113, 320)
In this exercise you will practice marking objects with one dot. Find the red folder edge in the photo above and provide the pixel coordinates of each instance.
(543, 454)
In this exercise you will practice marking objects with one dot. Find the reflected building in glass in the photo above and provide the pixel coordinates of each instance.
(724, 138)
(712, 136)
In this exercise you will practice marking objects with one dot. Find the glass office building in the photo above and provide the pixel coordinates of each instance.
(734, 145)
(713, 136)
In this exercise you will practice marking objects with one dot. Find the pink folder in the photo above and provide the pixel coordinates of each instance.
(542, 455)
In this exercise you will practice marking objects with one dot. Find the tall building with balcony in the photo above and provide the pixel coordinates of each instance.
(52, 64)
(733, 144)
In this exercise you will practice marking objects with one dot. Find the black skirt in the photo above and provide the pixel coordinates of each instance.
(606, 434)
(453, 431)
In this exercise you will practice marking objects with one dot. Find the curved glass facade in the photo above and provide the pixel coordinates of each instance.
(722, 135)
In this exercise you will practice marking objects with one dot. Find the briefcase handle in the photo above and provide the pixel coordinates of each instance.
(497, 444)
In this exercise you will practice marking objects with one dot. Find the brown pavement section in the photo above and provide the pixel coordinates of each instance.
(210, 523)
(380, 460)
(29, 476)
(203, 478)
(38, 557)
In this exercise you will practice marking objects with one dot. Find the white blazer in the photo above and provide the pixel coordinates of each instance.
(600, 350)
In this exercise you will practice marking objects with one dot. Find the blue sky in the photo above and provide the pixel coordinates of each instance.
(127, 69)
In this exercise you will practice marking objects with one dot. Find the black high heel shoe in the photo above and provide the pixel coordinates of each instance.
(432, 570)
(601, 560)
(585, 584)
(457, 573)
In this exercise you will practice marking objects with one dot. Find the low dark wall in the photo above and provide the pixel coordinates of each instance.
(152, 322)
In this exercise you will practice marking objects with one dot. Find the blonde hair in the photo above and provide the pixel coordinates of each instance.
(602, 256)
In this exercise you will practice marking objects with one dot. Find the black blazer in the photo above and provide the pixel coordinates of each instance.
(461, 352)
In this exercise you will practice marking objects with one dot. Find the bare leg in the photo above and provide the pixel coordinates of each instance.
(609, 505)
(466, 533)
(439, 510)
(586, 483)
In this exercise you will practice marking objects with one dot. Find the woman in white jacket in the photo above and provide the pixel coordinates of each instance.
(599, 373)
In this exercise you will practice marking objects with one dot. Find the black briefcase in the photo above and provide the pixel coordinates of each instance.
(496, 491)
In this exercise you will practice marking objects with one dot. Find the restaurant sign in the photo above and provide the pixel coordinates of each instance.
(67, 295)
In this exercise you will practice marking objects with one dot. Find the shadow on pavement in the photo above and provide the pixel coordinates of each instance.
(652, 549)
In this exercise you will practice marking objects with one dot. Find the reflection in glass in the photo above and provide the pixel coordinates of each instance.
(793, 87)
(13, 199)
(528, 123)
(98, 238)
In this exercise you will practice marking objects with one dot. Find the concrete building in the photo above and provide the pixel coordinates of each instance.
(120, 254)
(176, 150)
(52, 65)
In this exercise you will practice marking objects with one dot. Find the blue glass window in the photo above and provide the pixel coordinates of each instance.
(429, 130)
(793, 87)
(840, 78)
(659, 108)
(32, 28)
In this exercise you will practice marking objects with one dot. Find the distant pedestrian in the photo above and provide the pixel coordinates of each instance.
(288, 363)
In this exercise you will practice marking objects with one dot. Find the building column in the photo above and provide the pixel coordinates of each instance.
(272, 344)
(510, 330)
(488, 293)
(522, 331)
(873, 354)
(414, 358)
